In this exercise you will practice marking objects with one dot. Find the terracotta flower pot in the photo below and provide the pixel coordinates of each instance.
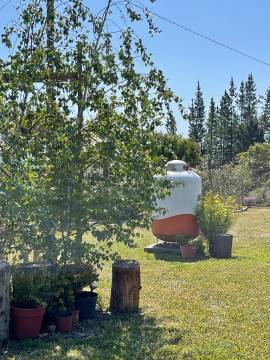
(64, 323)
(75, 317)
(189, 251)
(26, 323)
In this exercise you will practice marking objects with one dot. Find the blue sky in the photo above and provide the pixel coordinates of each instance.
(185, 58)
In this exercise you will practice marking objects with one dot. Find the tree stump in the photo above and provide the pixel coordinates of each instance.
(126, 286)
(221, 246)
(4, 301)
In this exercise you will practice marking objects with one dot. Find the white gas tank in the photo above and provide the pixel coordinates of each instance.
(180, 206)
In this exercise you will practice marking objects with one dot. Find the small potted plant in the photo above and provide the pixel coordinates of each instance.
(64, 318)
(215, 215)
(188, 249)
(70, 273)
(28, 303)
(64, 301)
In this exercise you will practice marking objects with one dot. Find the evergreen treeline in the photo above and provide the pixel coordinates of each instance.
(240, 119)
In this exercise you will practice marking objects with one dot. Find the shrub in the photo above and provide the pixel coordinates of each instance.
(257, 160)
(30, 289)
(228, 180)
(250, 200)
(215, 214)
(65, 301)
(200, 242)
(262, 194)
(80, 275)
(172, 146)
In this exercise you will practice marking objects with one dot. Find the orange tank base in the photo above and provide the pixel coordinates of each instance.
(166, 229)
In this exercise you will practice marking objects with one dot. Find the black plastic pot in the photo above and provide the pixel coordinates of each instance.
(221, 246)
(86, 303)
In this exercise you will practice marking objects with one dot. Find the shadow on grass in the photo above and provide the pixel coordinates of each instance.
(177, 258)
(109, 337)
(238, 257)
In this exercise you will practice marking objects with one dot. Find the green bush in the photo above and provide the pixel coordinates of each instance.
(30, 289)
(215, 214)
(172, 147)
(80, 275)
(262, 194)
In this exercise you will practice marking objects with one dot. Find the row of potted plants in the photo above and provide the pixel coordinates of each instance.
(220, 246)
(49, 298)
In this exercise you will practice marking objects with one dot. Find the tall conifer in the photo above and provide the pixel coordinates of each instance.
(233, 130)
(241, 99)
(265, 117)
(171, 123)
(211, 143)
(250, 129)
(197, 118)
(224, 128)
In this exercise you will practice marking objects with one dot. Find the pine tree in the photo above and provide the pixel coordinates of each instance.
(250, 130)
(193, 134)
(251, 101)
(170, 122)
(265, 117)
(241, 102)
(197, 118)
(224, 128)
(211, 145)
(233, 122)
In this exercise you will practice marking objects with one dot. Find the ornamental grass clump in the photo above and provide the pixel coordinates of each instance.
(216, 214)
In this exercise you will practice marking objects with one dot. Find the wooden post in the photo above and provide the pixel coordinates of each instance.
(4, 301)
(126, 286)
(221, 246)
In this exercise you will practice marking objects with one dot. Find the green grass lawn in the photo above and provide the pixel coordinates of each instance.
(208, 309)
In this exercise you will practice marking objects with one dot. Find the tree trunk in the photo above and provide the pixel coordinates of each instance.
(126, 286)
(221, 246)
(4, 301)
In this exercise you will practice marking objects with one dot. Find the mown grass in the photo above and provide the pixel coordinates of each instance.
(208, 309)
